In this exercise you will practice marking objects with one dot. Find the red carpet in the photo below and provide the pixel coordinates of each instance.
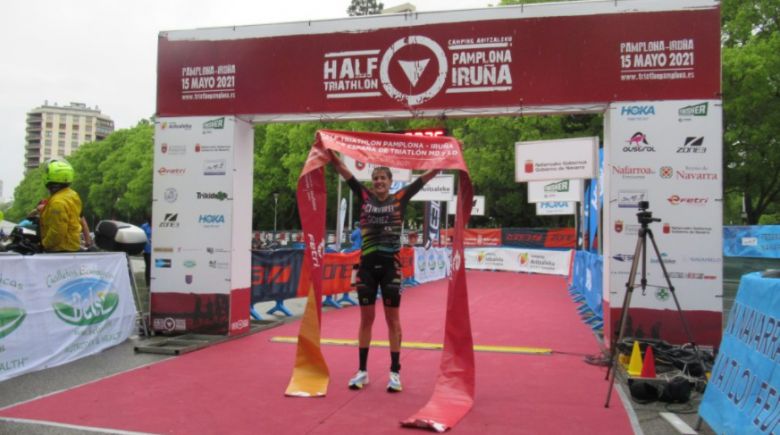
(238, 387)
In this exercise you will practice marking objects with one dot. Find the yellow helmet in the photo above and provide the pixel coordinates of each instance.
(57, 171)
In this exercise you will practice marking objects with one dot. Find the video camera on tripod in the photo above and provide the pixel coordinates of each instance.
(644, 216)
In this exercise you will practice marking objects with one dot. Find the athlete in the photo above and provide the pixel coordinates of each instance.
(381, 215)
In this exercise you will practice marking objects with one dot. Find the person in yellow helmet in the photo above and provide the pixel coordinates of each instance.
(60, 224)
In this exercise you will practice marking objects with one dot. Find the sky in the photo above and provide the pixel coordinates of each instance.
(103, 53)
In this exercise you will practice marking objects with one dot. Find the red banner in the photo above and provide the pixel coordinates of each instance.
(407, 262)
(494, 58)
(476, 237)
(453, 394)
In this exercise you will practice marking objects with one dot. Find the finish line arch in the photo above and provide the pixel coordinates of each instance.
(652, 66)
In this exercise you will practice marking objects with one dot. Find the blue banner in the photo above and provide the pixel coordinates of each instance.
(762, 241)
(587, 279)
(275, 274)
(743, 393)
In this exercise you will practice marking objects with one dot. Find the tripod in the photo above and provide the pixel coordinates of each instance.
(645, 218)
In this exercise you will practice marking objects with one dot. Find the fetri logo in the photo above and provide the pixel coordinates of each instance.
(214, 124)
(85, 301)
(12, 313)
(171, 171)
(690, 200)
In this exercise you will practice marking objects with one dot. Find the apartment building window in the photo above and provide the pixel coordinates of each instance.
(49, 124)
(61, 144)
(61, 135)
(74, 136)
(75, 126)
(62, 126)
(48, 134)
(61, 152)
(87, 137)
(48, 142)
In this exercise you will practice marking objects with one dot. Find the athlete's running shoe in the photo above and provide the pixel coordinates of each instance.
(394, 384)
(359, 380)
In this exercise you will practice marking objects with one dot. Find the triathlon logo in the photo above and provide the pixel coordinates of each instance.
(414, 69)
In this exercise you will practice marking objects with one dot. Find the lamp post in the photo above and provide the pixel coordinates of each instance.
(276, 203)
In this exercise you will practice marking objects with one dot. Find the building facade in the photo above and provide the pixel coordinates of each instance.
(57, 131)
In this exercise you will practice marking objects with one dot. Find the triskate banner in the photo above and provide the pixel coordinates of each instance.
(453, 394)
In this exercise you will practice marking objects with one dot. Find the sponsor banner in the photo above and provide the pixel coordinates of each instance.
(407, 262)
(477, 205)
(193, 194)
(519, 260)
(555, 190)
(362, 170)
(58, 308)
(275, 274)
(431, 264)
(741, 396)
(668, 153)
(475, 237)
(554, 160)
(202, 313)
(761, 241)
(433, 62)
(440, 188)
(539, 237)
(555, 208)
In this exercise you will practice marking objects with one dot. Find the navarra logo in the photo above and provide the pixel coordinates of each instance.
(85, 301)
(12, 313)
(560, 186)
(214, 124)
(637, 111)
(415, 68)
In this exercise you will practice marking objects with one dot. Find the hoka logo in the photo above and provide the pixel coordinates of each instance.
(637, 110)
(211, 219)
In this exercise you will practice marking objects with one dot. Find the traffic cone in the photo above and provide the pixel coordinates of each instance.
(648, 367)
(635, 364)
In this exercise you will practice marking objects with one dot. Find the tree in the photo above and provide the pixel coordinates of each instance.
(364, 7)
(751, 104)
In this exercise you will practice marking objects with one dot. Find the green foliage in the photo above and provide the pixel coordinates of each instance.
(27, 195)
(364, 7)
(751, 103)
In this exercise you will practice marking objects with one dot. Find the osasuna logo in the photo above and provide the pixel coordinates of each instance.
(693, 145)
(634, 111)
(212, 195)
(211, 220)
(171, 220)
(12, 313)
(85, 301)
(214, 124)
(170, 195)
(638, 143)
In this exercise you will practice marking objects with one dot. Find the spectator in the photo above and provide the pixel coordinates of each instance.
(147, 227)
(60, 225)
